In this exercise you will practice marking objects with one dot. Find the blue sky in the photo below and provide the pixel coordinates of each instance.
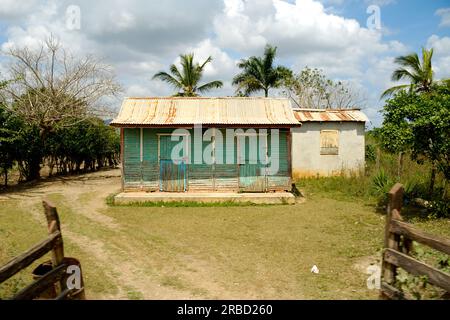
(410, 21)
(139, 37)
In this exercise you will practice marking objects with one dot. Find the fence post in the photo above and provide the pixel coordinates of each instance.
(54, 225)
(58, 251)
(391, 240)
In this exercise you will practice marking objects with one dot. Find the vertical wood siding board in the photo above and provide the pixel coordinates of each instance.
(150, 166)
(131, 155)
(281, 179)
(122, 159)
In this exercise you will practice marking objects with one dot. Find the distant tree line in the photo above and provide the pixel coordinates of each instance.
(88, 145)
(50, 113)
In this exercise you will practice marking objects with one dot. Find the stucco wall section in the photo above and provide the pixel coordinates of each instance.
(306, 157)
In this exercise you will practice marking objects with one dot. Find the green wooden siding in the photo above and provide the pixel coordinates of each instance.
(206, 177)
(281, 179)
(252, 164)
(200, 176)
(150, 167)
(131, 159)
(172, 173)
(226, 175)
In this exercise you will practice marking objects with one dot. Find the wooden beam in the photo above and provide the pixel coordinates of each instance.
(391, 240)
(25, 259)
(63, 295)
(396, 197)
(54, 225)
(52, 215)
(39, 286)
(415, 267)
(408, 231)
(391, 292)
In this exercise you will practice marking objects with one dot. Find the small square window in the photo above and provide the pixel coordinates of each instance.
(329, 142)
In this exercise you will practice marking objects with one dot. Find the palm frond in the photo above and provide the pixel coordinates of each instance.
(402, 73)
(411, 60)
(210, 85)
(164, 76)
(174, 70)
(389, 92)
(427, 68)
(208, 60)
(269, 57)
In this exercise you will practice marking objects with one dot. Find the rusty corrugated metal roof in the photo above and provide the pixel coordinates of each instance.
(213, 111)
(326, 115)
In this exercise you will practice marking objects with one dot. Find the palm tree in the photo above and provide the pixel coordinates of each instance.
(259, 73)
(187, 80)
(419, 73)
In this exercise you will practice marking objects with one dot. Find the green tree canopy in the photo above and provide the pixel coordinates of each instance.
(187, 80)
(260, 74)
(420, 122)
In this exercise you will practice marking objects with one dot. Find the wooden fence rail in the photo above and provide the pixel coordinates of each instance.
(55, 280)
(399, 237)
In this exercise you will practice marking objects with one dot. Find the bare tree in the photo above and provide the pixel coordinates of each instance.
(312, 89)
(52, 88)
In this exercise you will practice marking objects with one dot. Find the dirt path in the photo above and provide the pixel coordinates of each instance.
(187, 254)
(85, 195)
(74, 190)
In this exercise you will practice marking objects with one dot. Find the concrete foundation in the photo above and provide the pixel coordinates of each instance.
(257, 198)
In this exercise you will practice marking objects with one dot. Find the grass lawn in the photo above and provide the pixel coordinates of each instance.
(254, 252)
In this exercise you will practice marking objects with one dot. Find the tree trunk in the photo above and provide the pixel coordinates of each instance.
(400, 165)
(51, 165)
(432, 177)
(444, 192)
(5, 172)
(34, 170)
(266, 92)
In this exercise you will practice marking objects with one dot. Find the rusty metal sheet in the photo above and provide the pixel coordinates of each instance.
(218, 111)
(327, 115)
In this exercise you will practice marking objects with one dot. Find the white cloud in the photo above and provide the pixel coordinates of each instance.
(141, 37)
(444, 13)
(11, 9)
(222, 64)
(441, 57)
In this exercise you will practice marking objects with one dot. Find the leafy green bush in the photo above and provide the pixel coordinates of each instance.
(371, 154)
(439, 209)
(381, 183)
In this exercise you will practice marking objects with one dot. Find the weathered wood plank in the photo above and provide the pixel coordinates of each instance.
(402, 228)
(63, 295)
(25, 259)
(396, 197)
(391, 292)
(392, 240)
(39, 286)
(415, 267)
(54, 225)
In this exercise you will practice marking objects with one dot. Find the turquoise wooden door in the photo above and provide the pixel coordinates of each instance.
(172, 170)
(252, 166)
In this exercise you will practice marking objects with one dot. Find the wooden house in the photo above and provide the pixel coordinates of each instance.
(179, 144)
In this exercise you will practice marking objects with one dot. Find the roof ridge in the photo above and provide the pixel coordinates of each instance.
(205, 98)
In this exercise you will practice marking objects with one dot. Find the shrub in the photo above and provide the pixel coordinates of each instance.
(381, 183)
(371, 154)
(439, 209)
